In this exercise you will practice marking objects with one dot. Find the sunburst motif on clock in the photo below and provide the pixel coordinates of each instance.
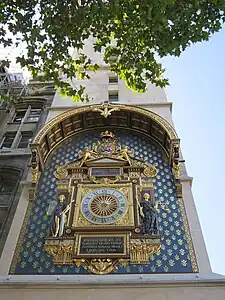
(104, 206)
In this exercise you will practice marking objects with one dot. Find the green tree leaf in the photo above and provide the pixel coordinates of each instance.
(130, 33)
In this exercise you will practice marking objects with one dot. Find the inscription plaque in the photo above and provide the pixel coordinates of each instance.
(100, 245)
(105, 171)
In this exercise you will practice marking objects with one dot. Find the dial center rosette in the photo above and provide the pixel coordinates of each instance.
(104, 206)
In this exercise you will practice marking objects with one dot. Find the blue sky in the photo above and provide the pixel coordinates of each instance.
(197, 90)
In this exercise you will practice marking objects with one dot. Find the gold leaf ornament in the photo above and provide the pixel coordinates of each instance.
(150, 171)
(61, 173)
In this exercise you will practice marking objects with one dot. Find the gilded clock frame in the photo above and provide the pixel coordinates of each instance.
(126, 220)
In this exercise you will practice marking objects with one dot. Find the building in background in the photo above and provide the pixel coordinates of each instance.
(105, 207)
(20, 121)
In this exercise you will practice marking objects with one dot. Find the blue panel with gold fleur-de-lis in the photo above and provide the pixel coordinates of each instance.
(174, 256)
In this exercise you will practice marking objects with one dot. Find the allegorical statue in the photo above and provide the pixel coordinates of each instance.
(149, 213)
(125, 154)
(59, 217)
(85, 155)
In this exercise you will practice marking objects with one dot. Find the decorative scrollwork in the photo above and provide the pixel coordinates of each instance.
(99, 266)
(35, 174)
(123, 221)
(141, 251)
(83, 222)
(105, 180)
(51, 249)
(106, 109)
(61, 173)
(150, 171)
(176, 171)
(61, 253)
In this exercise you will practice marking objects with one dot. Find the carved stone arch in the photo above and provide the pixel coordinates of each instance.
(91, 117)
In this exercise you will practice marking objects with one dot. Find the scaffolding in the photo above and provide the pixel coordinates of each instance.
(13, 84)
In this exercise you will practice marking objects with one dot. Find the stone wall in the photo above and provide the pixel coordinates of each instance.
(145, 291)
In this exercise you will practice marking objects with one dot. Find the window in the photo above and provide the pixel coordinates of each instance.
(34, 115)
(25, 139)
(113, 79)
(3, 214)
(113, 97)
(8, 140)
(9, 179)
(19, 116)
(6, 190)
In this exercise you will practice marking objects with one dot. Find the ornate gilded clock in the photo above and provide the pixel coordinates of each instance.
(104, 206)
(101, 205)
(108, 217)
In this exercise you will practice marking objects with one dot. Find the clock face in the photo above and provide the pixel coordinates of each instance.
(104, 206)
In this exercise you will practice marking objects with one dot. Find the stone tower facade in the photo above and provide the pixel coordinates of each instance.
(19, 123)
(106, 208)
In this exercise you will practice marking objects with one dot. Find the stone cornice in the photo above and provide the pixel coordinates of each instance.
(157, 104)
(114, 281)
